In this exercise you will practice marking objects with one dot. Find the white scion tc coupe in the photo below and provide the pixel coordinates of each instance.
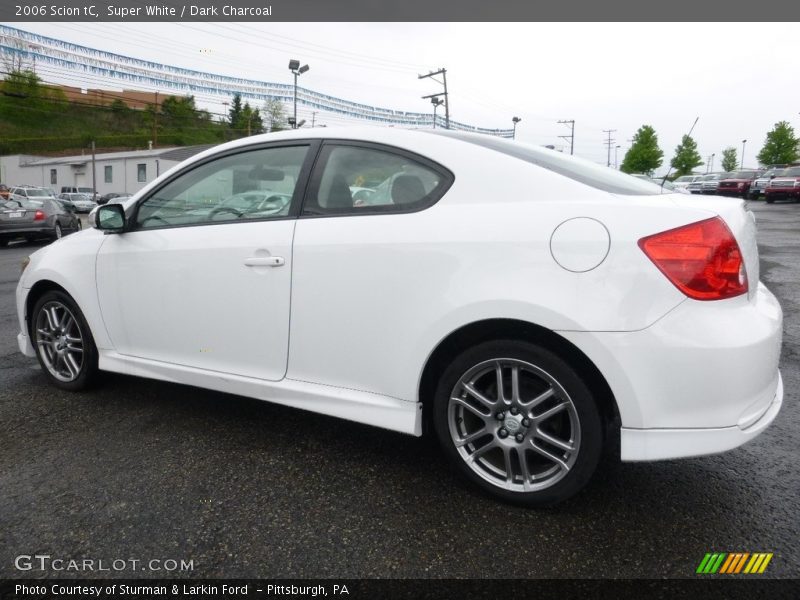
(526, 306)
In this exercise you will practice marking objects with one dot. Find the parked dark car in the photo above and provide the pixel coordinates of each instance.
(738, 183)
(106, 197)
(31, 219)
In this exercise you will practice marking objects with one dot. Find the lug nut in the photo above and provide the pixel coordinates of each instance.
(526, 422)
(503, 433)
(500, 416)
(519, 437)
(514, 410)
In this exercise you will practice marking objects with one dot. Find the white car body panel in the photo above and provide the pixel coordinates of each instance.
(347, 325)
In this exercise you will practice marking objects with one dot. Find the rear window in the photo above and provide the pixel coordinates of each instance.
(580, 170)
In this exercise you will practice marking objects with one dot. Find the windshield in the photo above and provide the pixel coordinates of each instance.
(29, 204)
(583, 171)
(790, 172)
(743, 175)
(684, 178)
(38, 192)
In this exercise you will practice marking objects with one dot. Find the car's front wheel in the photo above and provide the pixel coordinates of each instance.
(518, 422)
(64, 344)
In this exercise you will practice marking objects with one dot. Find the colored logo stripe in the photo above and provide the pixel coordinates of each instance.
(734, 562)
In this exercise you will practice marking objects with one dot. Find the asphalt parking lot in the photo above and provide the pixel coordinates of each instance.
(145, 470)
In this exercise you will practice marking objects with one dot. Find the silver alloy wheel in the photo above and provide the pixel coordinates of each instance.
(514, 425)
(59, 233)
(60, 341)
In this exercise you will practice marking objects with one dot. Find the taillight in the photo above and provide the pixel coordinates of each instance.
(38, 216)
(702, 260)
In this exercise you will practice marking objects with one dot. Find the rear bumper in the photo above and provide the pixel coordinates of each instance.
(26, 230)
(658, 444)
(703, 379)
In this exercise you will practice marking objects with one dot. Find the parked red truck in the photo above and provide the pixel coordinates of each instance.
(785, 185)
(738, 183)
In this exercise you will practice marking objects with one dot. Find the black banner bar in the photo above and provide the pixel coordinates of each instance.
(707, 588)
(406, 10)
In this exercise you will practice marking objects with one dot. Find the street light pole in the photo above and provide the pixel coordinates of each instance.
(296, 69)
(616, 157)
(741, 164)
(515, 120)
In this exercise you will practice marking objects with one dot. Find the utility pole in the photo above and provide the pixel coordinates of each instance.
(313, 118)
(571, 136)
(94, 176)
(616, 157)
(443, 73)
(609, 143)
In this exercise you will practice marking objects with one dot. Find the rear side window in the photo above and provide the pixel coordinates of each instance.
(580, 170)
(356, 179)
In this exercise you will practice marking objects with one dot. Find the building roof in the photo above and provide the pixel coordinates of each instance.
(177, 154)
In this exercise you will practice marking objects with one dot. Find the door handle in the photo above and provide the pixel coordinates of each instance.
(265, 261)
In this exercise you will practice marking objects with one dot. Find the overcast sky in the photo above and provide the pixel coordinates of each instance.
(739, 79)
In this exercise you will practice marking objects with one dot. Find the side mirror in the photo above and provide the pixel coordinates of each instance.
(108, 217)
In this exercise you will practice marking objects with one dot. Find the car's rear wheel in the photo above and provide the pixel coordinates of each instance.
(518, 422)
(64, 344)
(58, 232)
(770, 200)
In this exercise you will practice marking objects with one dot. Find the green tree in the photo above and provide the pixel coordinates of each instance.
(179, 113)
(644, 155)
(686, 157)
(275, 115)
(729, 162)
(780, 147)
(235, 112)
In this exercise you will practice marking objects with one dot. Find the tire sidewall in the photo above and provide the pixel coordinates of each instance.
(585, 405)
(89, 367)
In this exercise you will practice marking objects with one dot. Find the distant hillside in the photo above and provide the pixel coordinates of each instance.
(36, 119)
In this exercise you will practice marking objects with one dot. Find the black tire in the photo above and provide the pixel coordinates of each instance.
(589, 423)
(87, 374)
(58, 233)
(3, 242)
(769, 200)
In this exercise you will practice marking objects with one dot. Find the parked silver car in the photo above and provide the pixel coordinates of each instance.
(760, 185)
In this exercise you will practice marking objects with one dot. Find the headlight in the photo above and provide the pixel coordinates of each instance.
(24, 265)
(797, 183)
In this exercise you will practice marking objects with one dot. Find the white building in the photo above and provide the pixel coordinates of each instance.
(120, 172)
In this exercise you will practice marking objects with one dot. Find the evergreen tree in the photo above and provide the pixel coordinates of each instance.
(686, 157)
(235, 112)
(644, 155)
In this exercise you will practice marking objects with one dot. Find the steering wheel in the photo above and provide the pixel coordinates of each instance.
(154, 218)
(226, 209)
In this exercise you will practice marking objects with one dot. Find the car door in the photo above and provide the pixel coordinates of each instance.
(363, 262)
(201, 278)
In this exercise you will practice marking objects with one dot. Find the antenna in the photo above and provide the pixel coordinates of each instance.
(663, 181)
